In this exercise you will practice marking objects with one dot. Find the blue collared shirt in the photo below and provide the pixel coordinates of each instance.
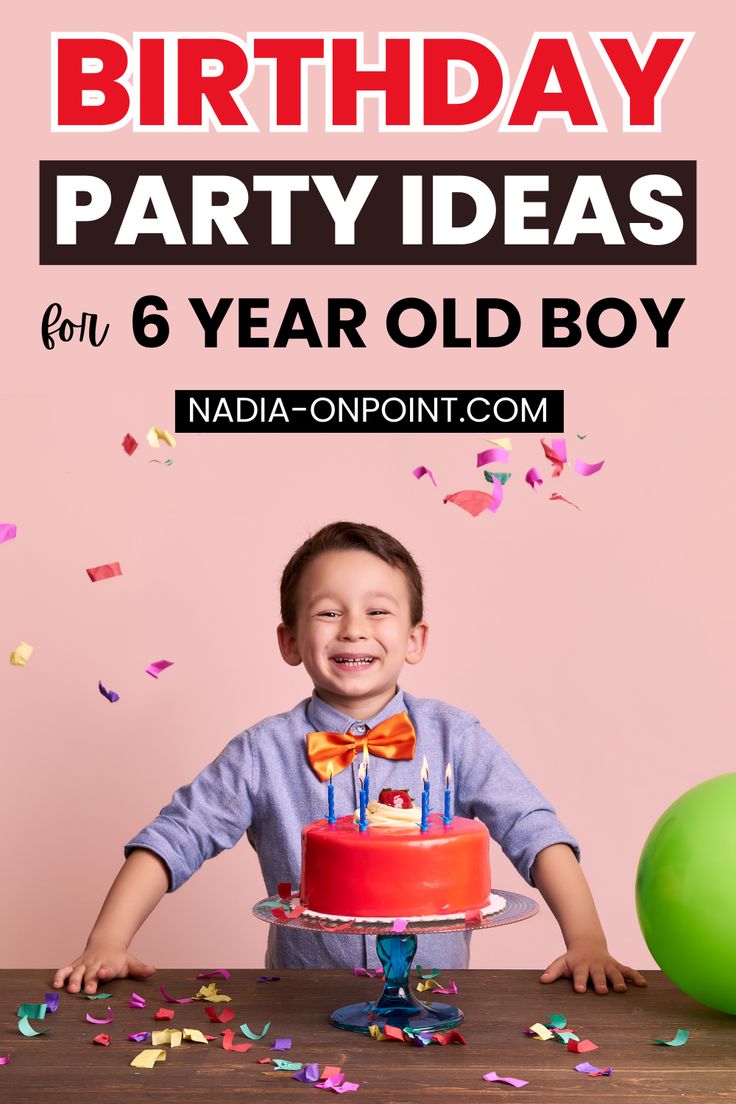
(261, 784)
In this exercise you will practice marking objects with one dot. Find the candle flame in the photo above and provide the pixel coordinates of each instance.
(448, 775)
(425, 769)
(329, 771)
(365, 753)
(361, 773)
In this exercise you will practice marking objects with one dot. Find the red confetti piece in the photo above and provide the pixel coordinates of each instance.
(224, 1016)
(228, 1044)
(174, 1000)
(445, 1037)
(561, 498)
(262, 1061)
(475, 502)
(280, 914)
(164, 1014)
(335, 927)
(102, 1039)
(581, 1046)
(473, 916)
(331, 1071)
(285, 891)
(557, 458)
(104, 571)
(129, 444)
(392, 1032)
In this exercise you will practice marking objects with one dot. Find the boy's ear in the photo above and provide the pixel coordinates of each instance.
(288, 645)
(417, 644)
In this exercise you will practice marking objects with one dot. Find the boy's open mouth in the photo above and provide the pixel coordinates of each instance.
(353, 661)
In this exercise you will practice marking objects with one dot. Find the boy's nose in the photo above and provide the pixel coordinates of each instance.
(353, 629)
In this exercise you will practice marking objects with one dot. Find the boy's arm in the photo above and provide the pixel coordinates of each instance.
(139, 886)
(563, 885)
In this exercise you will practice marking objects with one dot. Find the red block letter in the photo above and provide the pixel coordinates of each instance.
(348, 80)
(554, 82)
(288, 55)
(642, 85)
(89, 86)
(217, 88)
(489, 68)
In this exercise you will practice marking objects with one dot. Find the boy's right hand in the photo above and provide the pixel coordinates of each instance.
(100, 962)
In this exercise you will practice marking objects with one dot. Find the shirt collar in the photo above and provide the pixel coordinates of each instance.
(326, 718)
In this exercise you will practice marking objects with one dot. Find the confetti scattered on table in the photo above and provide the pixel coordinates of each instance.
(539, 1031)
(109, 694)
(533, 477)
(262, 1061)
(451, 990)
(156, 435)
(474, 502)
(680, 1039)
(491, 456)
(420, 471)
(32, 1011)
(210, 993)
(4, 1059)
(97, 996)
(581, 468)
(565, 1036)
(155, 669)
(253, 1034)
(136, 1001)
(360, 971)
(308, 1074)
(425, 975)
(557, 1021)
(52, 1002)
(147, 1059)
(375, 1033)
(175, 1000)
(561, 498)
(594, 1071)
(20, 655)
(129, 444)
(107, 1020)
(399, 925)
(286, 1064)
(8, 531)
(281, 1044)
(164, 1014)
(446, 1037)
(223, 1016)
(267, 977)
(167, 1036)
(139, 1036)
(515, 1082)
(102, 1039)
(213, 973)
(337, 1084)
(194, 1035)
(228, 1044)
(25, 1028)
(104, 571)
(581, 1046)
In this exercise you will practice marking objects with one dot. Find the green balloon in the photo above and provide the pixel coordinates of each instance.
(686, 892)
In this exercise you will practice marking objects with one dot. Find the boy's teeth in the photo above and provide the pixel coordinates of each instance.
(353, 662)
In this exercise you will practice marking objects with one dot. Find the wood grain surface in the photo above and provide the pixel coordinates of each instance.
(65, 1066)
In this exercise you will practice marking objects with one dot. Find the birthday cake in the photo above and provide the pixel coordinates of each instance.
(393, 869)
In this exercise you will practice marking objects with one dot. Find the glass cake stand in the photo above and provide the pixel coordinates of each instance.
(397, 1004)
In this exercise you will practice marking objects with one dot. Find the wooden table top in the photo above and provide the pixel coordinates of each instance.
(65, 1066)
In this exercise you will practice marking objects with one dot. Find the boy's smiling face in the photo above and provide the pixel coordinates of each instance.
(353, 631)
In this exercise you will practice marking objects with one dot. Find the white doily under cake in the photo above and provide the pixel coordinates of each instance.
(495, 905)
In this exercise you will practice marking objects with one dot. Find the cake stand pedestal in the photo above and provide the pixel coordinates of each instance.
(397, 1004)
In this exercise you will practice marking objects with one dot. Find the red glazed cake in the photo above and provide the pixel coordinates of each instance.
(393, 869)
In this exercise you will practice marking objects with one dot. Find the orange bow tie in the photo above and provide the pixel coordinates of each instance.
(393, 738)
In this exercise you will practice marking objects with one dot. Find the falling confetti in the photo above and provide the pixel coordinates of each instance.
(420, 471)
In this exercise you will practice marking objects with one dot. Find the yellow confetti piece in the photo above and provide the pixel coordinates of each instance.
(155, 435)
(168, 1036)
(194, 1035)
(424, 985)
(147, 1059)
(20, 655)
(541, 1032)
(501, 442)
(375, 1033)
(209, 993)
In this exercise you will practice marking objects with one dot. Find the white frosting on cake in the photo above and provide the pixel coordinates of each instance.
(495, 905)
(387, 816)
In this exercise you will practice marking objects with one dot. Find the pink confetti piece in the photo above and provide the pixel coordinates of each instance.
(139, 1036)
(109, 1019)
(360, 971)
(581, 1046)
(214, 973)
(223, 1016)
(155, 669)
(308, 1074)
(52, 1002)
(492, 456)
(497, 496)
(450, 991)
(560, 447)
(338, 1085)
(102, 1039)
(557, 460)
(174, 1000)
(581, 468)
(515, 1082)
(109, 694)
(281, 1044)
(129, 444)
(164, 1014)
(4, 1059)
(8, 531)
(594, 1071)
(474, 502)
(561, 498)
(104, 571)
(533, 477)
(420, 471)
(399, 925)
(284, 891)
(228, 1044)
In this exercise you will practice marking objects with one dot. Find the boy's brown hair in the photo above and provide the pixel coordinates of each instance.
(345, 536)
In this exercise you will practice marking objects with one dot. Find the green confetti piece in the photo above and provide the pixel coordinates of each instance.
(97, 996)
(427, 975)
(252, 1034)
(32, 1011)
(502, 477)
(25, 1028)
(680, 1039)
(581, 436)
(558, 1021)
(565, 1036)
(285, 1064)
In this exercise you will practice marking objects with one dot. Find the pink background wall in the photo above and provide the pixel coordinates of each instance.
(594, 644)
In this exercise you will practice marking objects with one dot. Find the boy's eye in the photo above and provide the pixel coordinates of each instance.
(378, 611)
(327, 613)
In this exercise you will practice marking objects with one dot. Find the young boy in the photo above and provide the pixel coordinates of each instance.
(352, 613)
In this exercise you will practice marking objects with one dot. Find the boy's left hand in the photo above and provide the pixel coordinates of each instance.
(583, 961)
